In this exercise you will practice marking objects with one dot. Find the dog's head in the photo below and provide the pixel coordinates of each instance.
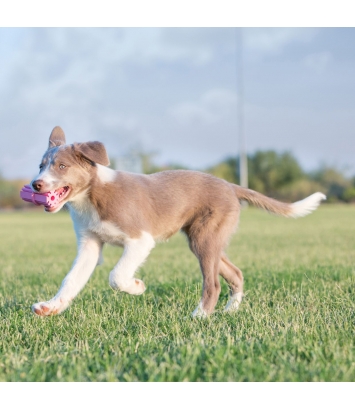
(68, 169)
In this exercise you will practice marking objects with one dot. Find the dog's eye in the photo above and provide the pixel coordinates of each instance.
(41, 166)
(61, 166)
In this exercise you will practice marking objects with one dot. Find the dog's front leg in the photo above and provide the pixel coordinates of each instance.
(134, 254)
(89, 248)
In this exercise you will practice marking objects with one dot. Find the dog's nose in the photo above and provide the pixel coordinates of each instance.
(37, 184)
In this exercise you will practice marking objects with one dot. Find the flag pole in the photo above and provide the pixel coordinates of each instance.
(243, 160)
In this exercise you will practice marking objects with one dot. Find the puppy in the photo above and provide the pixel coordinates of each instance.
(135, 211)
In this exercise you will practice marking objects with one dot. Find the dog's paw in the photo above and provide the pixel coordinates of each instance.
(43, 309)
(199, 312)
(234, 302)
(137, 287)
(49, 308)
(133, 287)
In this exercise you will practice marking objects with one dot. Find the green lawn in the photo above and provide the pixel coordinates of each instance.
(296, 322)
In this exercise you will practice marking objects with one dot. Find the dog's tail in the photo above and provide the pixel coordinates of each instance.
(295, 210)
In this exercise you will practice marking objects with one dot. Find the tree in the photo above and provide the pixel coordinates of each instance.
(334, 182)
(268, 171)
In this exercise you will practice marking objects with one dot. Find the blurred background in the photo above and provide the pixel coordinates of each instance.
(168, 98)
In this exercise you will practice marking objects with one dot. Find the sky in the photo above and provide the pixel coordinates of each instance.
(174, 92)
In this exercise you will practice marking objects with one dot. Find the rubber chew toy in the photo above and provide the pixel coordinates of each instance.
(47, 199)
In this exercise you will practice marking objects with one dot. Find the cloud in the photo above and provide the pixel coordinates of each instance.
(171, 89)
(261, 41)
(125, 46)
(210, 108)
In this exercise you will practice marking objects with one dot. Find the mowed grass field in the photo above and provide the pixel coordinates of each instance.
(296, 322)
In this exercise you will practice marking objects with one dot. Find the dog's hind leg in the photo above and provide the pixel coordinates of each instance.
(135, 253)
(208, 252)
(208, 236)
(89, 248)
(211, 286)
(234, 278)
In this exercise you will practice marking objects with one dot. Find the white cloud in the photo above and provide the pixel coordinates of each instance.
(147, 46)
(274, 40)
(210, 108)
(115, 85)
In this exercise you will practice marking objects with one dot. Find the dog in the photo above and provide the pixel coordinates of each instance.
(135, 211)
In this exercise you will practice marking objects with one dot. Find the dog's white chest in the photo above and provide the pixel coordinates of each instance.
(108, 232)
(86, 219)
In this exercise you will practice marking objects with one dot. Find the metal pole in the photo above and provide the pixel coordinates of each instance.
(243, 160)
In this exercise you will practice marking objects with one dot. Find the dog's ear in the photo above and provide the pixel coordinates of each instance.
(56, 138)
(93, 152)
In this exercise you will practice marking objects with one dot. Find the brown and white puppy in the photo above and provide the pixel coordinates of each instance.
(135, 211)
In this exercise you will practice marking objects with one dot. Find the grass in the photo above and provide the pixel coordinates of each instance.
(296, 322)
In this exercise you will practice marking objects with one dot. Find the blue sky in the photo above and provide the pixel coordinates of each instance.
(174, 92)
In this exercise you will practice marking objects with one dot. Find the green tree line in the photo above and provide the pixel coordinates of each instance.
(278, 175)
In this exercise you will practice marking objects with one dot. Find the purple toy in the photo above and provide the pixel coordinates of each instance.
(48, 199)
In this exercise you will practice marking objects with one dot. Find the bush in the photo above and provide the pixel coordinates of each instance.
(299, 190)
(349, 194)
(10, 194)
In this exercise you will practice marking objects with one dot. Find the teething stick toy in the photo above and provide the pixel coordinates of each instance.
(50, 198)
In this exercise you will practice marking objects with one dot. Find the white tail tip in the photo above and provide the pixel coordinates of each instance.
(307, 205)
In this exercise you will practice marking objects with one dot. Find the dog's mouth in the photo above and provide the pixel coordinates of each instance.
(62, 194)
